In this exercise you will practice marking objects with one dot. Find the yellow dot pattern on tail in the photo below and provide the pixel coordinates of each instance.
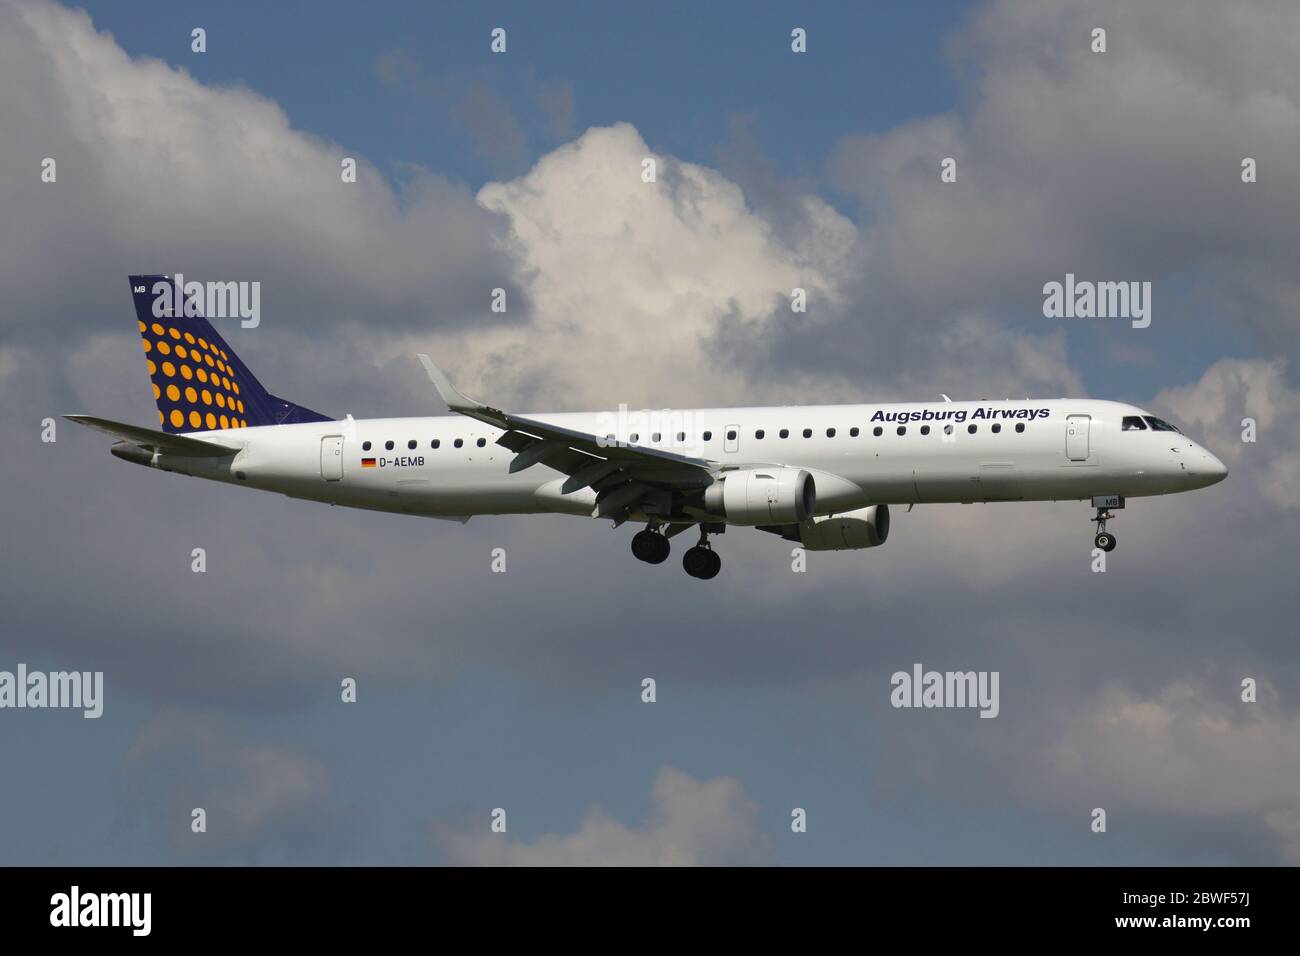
(199, 383)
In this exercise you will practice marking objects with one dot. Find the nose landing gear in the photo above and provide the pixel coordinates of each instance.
(1103, 503)
(1104, 539)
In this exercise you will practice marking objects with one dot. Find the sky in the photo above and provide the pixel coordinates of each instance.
(521, 170)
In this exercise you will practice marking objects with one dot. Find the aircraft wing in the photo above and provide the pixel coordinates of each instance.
(621, 474)
(155, 440)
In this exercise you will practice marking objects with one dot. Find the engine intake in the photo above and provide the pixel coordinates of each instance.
(864, 528)
(756, 496)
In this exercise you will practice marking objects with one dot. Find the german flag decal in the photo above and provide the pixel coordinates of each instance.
(367, 463)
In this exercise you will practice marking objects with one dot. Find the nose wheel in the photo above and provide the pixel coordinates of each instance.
(1104, 539)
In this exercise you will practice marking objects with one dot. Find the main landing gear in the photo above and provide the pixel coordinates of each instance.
(652, 547)
(1104, 540)
(702, 561)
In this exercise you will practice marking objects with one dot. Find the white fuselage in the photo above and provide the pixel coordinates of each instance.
(1067, 449)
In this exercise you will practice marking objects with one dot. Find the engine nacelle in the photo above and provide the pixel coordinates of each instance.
(133, 453)
(864, 528)
(762, 496)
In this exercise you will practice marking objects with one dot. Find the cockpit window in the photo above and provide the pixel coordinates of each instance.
(1157, 425)
(1133, 423)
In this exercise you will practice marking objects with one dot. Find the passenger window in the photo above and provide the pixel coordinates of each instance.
(830, 433)
(634, 436)
(947, 429)
(877, 431)
(365, 446)
(708, 436)
(459, 442)
(1020, 426)
(902, 429)
(760, 433)
(481, 442)
(996, 427)
(388, 445)
(731, 435)
(784, 433)
(435, 443)
(807, 433)
(853, 432)
(681, 437)
(656, 436)
(411, 444)
(925, 429)
(972, 429)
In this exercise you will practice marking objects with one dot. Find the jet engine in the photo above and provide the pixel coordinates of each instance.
(762, 496)
(864, 528)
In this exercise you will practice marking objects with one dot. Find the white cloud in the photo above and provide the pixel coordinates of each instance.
(691, 823)
(631, 281)
(1123, 164)
(1230, 391)
(159, 172)
(259, 799)
(1183, 752)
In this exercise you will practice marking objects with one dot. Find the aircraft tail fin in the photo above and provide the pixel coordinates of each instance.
(199, 383)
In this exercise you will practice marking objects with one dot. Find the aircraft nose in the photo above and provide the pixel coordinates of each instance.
(1214, 469)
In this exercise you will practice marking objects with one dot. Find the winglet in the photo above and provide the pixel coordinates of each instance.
(455, 399)
(458, 401)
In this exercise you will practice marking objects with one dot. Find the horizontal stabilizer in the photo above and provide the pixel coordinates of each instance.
(155, 440)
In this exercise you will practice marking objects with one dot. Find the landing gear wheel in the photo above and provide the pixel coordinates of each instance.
(715, 565)
(700, 562)
(1104, 540)
(650, 547)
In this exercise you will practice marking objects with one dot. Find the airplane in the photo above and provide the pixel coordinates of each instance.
(823, 476)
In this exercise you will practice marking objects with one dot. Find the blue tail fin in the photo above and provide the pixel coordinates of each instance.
(199, 382)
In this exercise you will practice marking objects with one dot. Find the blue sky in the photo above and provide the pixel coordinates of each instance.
(647, 66)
